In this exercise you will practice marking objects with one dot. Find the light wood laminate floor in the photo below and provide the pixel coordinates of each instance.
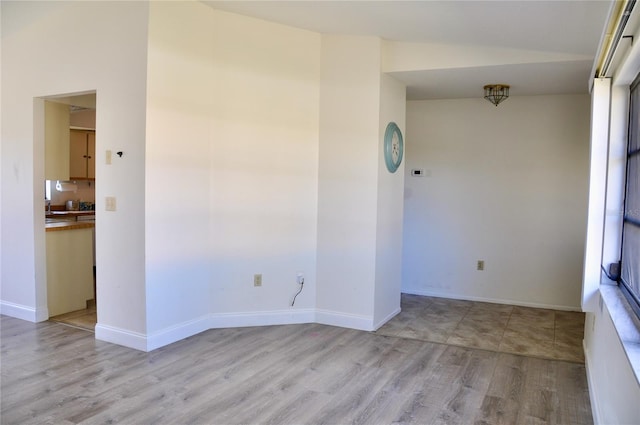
(292, 374)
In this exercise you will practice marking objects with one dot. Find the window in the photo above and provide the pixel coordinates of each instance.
(630, 255)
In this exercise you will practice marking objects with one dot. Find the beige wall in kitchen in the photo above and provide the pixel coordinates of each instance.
(86, 193)
(85, 118)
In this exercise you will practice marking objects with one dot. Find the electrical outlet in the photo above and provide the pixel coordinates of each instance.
(107, 157)
(480, 265)
(257, 280)
(300, 278)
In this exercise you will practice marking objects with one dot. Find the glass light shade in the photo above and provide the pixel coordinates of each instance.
(496, 93)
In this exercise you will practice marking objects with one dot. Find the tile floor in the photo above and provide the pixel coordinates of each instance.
(536, 332)
(83, 319)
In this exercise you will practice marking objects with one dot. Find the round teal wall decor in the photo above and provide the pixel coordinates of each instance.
(393, 147)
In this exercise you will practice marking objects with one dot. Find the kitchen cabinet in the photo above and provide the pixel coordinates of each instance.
(69, 270)
(82, 155)
(56, 141)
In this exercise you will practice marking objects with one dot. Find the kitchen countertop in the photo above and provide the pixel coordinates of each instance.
(69, 225)
(62, 214)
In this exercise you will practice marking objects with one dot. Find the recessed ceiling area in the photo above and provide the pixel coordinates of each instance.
(524, 79)
(571, 28)
(81, 100)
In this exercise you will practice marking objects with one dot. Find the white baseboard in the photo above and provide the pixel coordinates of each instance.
(386, 319)
(344, 320)
(184, 330)
(260, 318)
(155, 340)
(24, 312)
(437, 294)
(229, 320)
(123, 337)
(176, 333)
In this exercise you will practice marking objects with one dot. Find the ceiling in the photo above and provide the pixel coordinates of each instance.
(76, 101)
(570, 27)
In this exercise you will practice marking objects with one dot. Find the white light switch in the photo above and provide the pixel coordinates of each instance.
(110, 203)
(107, 157)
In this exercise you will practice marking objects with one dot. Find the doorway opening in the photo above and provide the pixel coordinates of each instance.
(68, 133)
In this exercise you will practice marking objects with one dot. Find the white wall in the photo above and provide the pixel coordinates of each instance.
(598, 163)
(179, 96)
(613, 386)
(1, 162)
(264, 164)
(248, 147)
(1, 165)
(506, 185)
(232, 129)
(348, 179)
(52, 48)
(388, 279)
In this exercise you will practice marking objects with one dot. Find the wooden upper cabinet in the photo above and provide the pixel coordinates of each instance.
(56, 141)
(82, 155)
(91, 152)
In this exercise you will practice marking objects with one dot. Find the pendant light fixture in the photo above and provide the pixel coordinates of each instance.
(496, 93)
